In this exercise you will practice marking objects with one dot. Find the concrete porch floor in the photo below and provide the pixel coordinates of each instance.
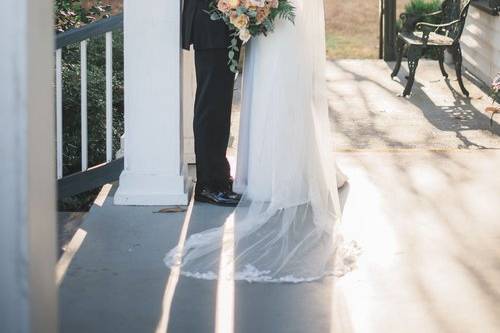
(425, 212)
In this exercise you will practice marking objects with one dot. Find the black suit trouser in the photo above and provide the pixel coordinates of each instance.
(212, 118)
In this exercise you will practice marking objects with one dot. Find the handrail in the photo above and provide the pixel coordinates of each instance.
(88, 31)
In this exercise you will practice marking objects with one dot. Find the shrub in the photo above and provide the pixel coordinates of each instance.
(420, 7)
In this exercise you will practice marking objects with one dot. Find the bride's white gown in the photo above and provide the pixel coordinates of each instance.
(286, 227)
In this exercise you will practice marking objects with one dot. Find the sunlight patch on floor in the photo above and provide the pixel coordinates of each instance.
(224, 311)
(365, 220)
(103, 194)
(69, 254)
(174, 276)
(77, 240)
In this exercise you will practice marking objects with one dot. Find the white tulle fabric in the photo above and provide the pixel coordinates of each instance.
(287, 227)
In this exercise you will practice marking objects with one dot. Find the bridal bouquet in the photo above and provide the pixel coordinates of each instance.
(249, 18)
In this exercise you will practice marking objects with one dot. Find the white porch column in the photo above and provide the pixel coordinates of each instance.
(155, 172)
(189, 91)
(28, 298)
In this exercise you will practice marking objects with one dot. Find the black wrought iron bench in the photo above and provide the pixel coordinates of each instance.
(418, 36)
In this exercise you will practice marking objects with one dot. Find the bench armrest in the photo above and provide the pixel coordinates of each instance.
(423, 26)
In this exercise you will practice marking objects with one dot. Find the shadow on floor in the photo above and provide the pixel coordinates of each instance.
(368, 114)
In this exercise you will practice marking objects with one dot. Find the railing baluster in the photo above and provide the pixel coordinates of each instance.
(109, 96)
(59, 116)
(84, 125)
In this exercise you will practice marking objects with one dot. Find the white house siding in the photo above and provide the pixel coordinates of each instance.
(481, 44)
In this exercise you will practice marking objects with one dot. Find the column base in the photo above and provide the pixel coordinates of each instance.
(152, 190)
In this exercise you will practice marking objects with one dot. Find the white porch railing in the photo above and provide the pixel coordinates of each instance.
(74, 184)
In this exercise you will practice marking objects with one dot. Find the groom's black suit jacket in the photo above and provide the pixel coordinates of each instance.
(199, 30)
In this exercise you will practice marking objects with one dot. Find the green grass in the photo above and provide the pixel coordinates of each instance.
(339, 46)
(352, 28)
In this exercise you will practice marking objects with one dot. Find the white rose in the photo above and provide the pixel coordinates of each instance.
(245, 35)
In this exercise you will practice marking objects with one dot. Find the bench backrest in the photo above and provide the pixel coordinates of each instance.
(455, 10)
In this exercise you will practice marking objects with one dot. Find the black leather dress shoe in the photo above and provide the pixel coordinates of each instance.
(226, 198)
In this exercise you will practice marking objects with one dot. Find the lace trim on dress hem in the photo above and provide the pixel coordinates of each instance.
(346, 259)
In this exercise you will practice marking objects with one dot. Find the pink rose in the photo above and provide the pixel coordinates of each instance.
(225, 6)
(496, 83)
(262, 14)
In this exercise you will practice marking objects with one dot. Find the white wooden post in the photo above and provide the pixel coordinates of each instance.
(28, 297)
(188, 93)
(155, 172)
(84, 106)
(109, 96)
